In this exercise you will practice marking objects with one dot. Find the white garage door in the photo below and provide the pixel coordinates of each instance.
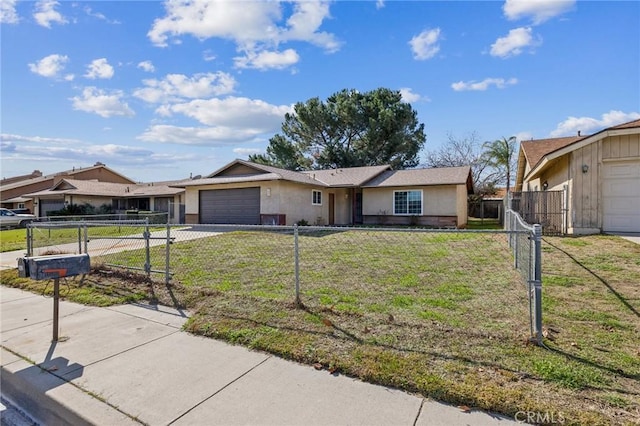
(621, 196)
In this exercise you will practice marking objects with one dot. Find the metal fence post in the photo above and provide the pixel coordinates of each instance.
(147, 263)
(566, 209)
(167, 276)
(516, 239)
(537, 281)
(86, 238)
(29, 240)
(80, 239)
(296, 262)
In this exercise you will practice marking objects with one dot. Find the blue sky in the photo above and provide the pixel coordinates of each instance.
(162, 90)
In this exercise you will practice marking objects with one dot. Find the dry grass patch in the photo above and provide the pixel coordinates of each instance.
(441, 314)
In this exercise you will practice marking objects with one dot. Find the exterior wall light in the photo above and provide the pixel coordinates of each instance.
(585, 168)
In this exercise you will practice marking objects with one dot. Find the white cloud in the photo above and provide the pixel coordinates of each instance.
(7, 137)
(51, 67)
(267, 59)
(408, 96)
(248, 151)
(198, 136)
(178, 86)
(234, 112)
(208, 56)
(425, 45)
(99, 68)
(146, 66)
(538, 10)
(255, 26)
(587, 125)
(45, 13)
(513, 43)
(100, 102)
(8, 13)
(99, 16)
(500, 83)
(523, 136)
(379, 4)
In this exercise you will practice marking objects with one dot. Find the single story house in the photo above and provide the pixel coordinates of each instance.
(601, 173)
(14, 189)
(243, 192)
(122, 197)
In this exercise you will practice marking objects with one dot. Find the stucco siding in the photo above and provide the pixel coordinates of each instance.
(462, 207)
(436, 200)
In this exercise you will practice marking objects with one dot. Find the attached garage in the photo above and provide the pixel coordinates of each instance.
(50, 205)
(230, 206)
(621, 196)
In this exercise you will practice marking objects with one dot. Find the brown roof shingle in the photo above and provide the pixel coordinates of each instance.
(535, 149)
(416, 177)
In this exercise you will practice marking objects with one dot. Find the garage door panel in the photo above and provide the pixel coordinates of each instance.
(230, 206)
(621, 197)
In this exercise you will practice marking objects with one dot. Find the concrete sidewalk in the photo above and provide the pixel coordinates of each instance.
(131, 364)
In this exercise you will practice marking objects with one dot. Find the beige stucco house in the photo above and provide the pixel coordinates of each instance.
(248, 193)
(121, 197)
(14, 189)
(600, 172)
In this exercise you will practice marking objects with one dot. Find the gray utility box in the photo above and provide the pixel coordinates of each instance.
(54, 266)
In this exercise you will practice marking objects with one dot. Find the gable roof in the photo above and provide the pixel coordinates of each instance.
(70, 173)
(422, 177)
(535, 149)
(347, 176)
(106, 189)
(255, 172)
(538, 156)
(629, 125)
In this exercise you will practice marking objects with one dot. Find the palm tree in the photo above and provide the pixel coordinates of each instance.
(499, 154)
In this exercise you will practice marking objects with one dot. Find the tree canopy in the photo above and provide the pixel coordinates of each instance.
(350, 129)
(491, 162)
(500, 154)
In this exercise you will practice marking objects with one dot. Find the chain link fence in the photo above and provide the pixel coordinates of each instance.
(525, 242)
(447, 276)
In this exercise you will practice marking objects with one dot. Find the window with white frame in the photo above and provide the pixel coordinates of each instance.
(407, 202)
(316, 197)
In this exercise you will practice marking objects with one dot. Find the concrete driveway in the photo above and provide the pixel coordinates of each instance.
(98, 247)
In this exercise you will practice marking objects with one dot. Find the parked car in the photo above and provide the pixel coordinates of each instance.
(9, 219)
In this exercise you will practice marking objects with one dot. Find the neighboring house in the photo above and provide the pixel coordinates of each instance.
(601, 173)
(248, 193)
(122, 197)
(13, 189)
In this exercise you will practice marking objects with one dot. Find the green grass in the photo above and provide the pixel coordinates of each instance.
(16, 239)
(440, 314)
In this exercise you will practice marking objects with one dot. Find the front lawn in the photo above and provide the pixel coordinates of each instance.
(441, 314)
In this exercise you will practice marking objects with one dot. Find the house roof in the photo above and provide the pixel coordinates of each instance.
(262, 173)
(105, 189)
(349, 176)
(534, 150)
(419, 177)
(370, 176)
(629, 125)
(70, 173)
(544, 151)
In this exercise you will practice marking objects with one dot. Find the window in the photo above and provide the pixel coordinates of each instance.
(316, 198)
(407, 202)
